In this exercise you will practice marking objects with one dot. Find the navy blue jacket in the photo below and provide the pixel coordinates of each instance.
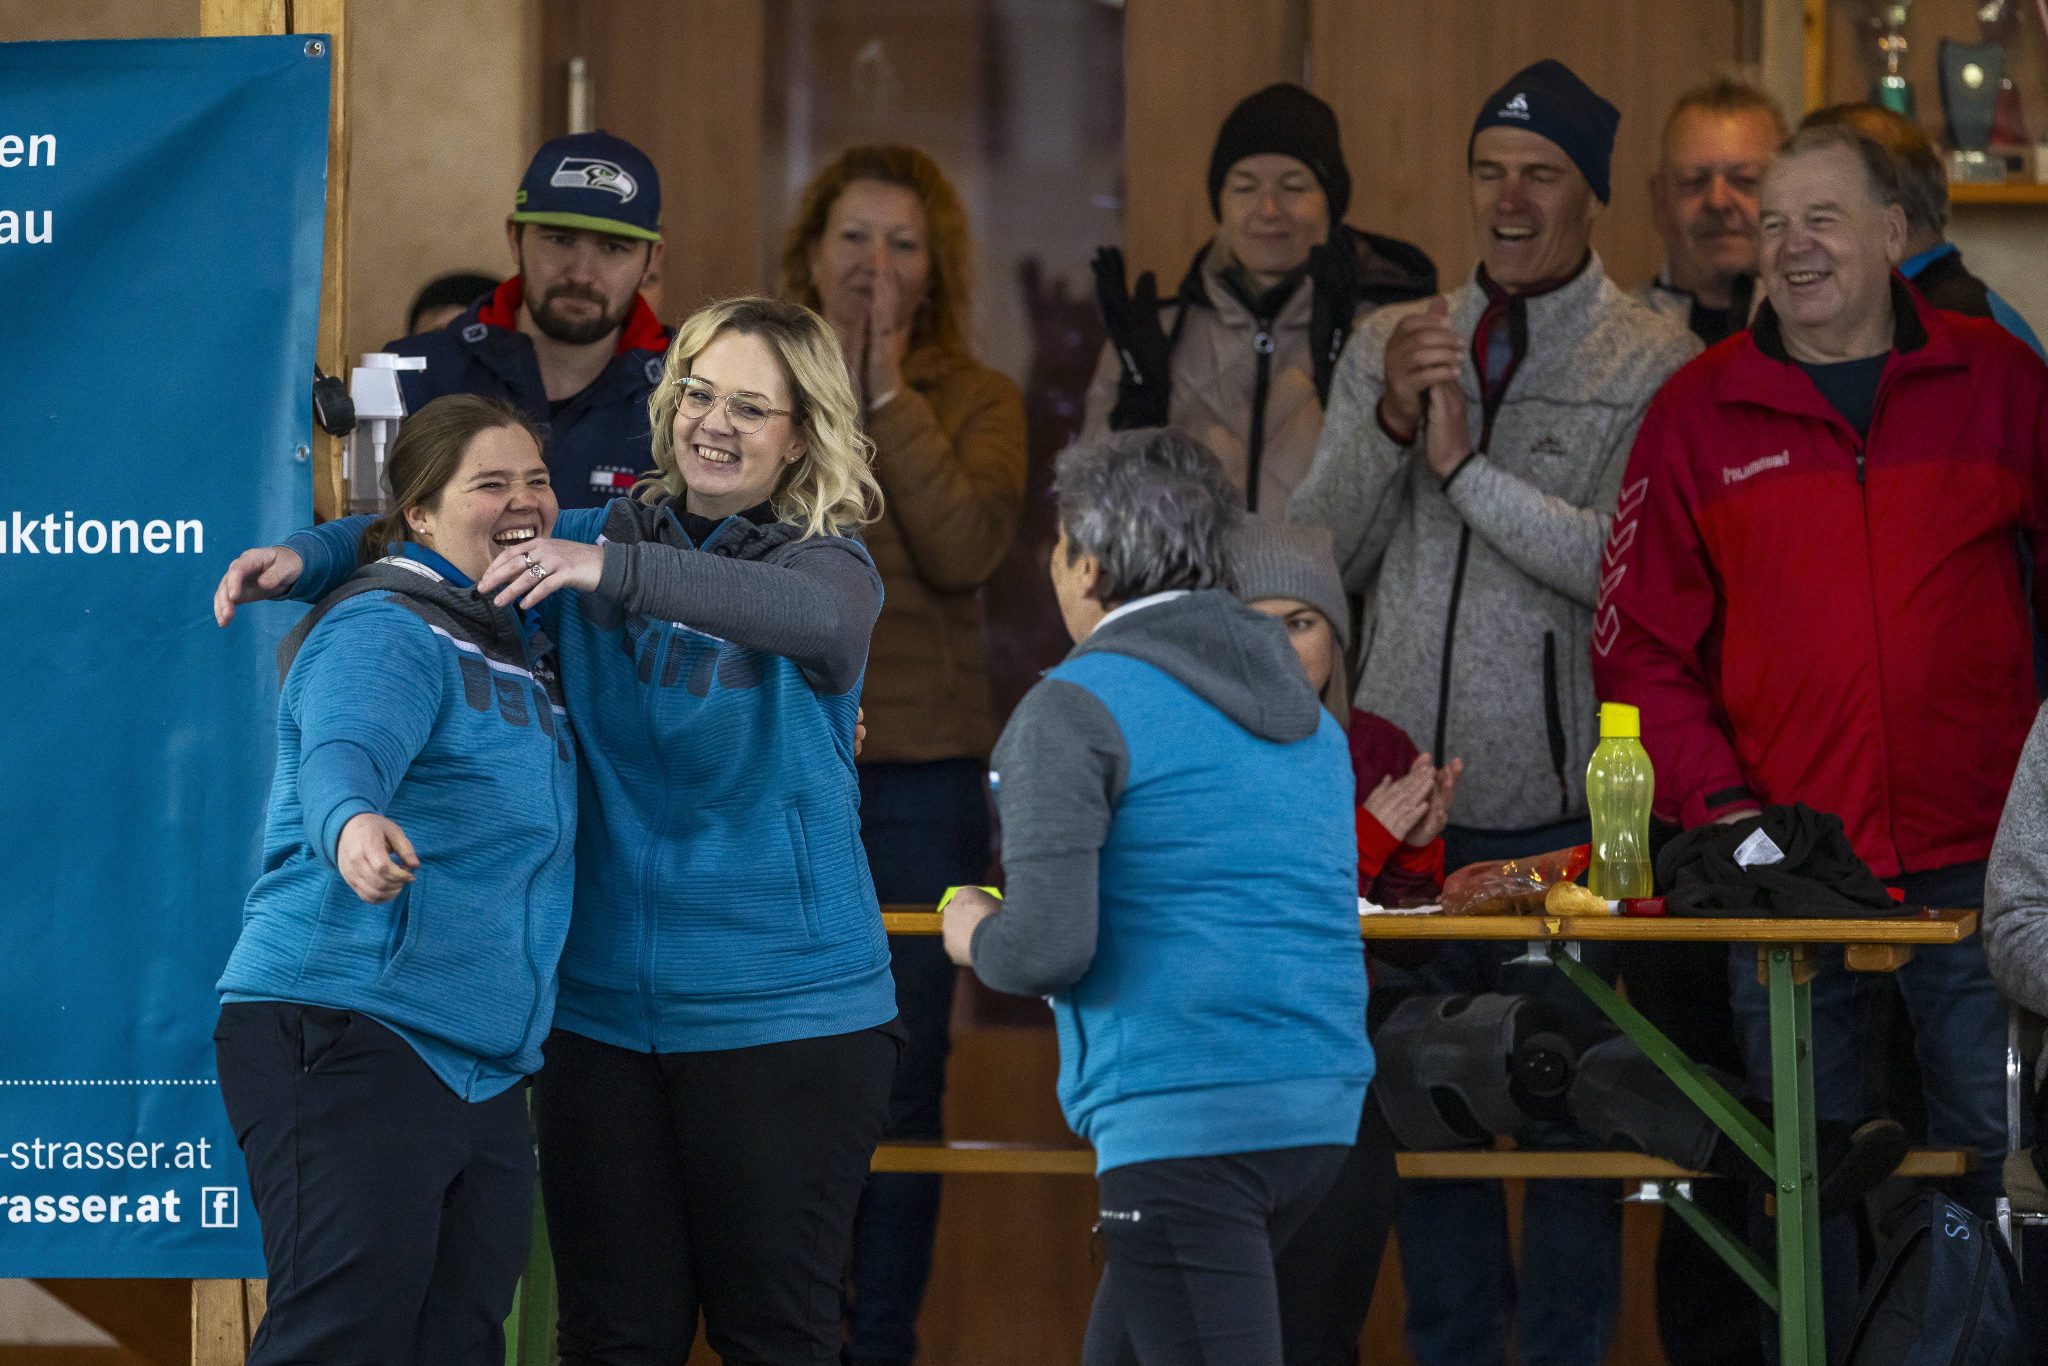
(600, 445)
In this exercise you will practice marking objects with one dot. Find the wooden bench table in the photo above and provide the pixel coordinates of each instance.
(1785, 1151)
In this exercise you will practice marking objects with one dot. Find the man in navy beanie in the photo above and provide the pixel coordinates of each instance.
(1469, 468)
(567, 338)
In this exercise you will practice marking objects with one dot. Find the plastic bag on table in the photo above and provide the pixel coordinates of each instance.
(1514, 886)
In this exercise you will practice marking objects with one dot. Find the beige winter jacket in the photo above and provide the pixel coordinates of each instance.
(949, 451)
(1217, 359)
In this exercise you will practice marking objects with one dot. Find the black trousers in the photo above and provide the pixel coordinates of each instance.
(396, 1215)
(1188, 1249)
(1327, 1272)
(720, 1183)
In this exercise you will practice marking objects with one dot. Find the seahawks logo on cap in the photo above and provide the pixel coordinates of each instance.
(1516, 108)
(591, 173)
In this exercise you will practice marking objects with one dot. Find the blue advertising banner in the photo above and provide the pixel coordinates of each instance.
(160, 234)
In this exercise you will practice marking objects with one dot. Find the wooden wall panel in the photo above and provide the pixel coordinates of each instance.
(682, 80)
(1407, 77)
(1186, 62)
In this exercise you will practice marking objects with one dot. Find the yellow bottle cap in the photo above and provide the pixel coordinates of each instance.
(1620, 721)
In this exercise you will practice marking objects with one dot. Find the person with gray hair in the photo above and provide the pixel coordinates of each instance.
(1812, 593)
(1717, 139)
(1933, 263)
(1182, 883)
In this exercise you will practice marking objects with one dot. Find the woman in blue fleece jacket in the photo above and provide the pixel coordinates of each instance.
(395, 975)
(719, 1074)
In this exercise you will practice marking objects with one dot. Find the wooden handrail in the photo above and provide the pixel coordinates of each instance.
(1925, 927)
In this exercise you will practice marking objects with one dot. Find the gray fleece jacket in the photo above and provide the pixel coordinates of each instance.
(2016, 883)
(1480, 594)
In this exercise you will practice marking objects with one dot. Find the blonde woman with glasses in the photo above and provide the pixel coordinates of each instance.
(725, 1036)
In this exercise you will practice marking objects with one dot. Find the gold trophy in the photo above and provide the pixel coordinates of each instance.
(1886, 20)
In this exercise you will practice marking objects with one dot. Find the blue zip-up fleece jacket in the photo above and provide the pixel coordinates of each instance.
(406, 695)
(1182, 879)
(722, 895)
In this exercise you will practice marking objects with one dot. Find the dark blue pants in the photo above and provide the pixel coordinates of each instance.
(1188, 1246)
(396, 1215)
(1958, 1032)
(719, 1184)
(1465, 1300)
(925, 828)
(1326, 1274)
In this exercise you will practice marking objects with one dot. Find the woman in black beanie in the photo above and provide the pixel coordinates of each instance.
(1241, 355)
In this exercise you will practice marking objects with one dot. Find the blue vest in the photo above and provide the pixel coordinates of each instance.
(1224, 1011)
(462, 963)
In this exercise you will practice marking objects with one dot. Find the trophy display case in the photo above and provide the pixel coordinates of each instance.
(1973, 73)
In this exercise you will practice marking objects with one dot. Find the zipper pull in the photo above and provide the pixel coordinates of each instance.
(1262, 342)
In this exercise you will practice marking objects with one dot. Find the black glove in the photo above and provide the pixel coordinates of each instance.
(1339, 287)
(1144, 391)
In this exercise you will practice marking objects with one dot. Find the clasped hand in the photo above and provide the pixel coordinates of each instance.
(1424, 358)
(1415, 806)
(526, 575)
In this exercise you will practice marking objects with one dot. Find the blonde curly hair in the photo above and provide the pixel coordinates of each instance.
(831, 487)
(941, 318)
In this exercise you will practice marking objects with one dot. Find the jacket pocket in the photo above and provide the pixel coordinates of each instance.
(405, 932)
(800, 846)
(1553, 722)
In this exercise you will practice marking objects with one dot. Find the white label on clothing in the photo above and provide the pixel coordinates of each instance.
(1758, 850)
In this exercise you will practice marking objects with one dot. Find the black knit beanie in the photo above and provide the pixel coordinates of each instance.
(1551, 101)
(1288, 120)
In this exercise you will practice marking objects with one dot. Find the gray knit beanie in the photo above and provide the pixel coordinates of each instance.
(1292, 562)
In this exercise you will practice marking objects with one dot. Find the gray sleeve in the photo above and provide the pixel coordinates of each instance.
(1059, 772)
(815, 606)
(1553, 540)
(2016, 884)
(1357, 485)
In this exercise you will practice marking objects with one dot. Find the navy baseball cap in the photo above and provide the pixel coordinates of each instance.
(593, 181)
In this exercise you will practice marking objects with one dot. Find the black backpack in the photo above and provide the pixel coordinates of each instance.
(1944, 1292)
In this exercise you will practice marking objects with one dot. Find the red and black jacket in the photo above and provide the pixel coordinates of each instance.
(1803, 614)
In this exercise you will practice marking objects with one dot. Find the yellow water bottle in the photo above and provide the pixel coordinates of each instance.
(1619, 786)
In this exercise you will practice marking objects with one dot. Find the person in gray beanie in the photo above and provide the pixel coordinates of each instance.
(1476, 535)
(1241, 355)
(1326, 1273)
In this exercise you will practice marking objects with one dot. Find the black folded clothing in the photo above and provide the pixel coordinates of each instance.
(1818, 876)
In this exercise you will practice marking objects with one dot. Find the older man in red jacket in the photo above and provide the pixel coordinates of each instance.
(1813, 591)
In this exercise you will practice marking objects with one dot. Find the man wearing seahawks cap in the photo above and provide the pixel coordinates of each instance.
(568, 337)
(1468, 467)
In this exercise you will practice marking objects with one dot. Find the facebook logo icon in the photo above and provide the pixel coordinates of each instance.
(219, 1207)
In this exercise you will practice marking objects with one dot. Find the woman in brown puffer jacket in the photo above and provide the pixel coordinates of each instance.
(880, 247)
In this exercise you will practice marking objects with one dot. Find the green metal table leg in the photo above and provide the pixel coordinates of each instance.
(1739, 1255)
(1733, 1117)
(1801, 1330)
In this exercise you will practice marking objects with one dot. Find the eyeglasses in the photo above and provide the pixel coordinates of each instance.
(745, 411)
